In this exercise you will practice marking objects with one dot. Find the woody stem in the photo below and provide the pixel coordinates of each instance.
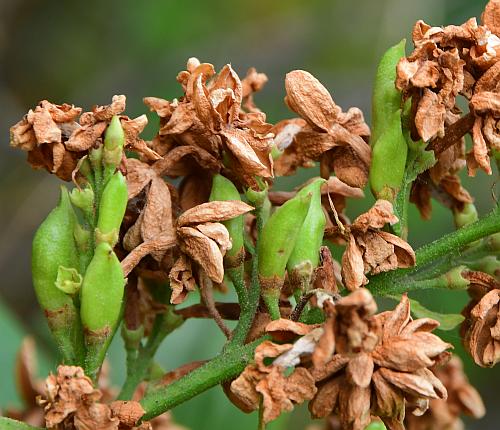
(436, 257)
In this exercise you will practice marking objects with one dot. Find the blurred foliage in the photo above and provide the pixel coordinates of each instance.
(84, 52)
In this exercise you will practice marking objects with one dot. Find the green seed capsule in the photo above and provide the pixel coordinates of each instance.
(305, 255)
(112, 209)
(386, 98)
(54, 246)
(466, 216)
(276, 244)
(223, 189)
(389, 160)
(101, 302)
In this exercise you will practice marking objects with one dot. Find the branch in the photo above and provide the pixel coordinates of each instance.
(222, 368)
(437, 257)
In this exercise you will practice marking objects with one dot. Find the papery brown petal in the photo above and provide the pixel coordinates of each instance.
(243, 151)
(139, 175)
(389, 400)
(22, 135)
(105, 113)
(430, 116)
(162, 243)
(353, 266)
(127, 412)
(133, 236)
(479, 148)
(404, 252)
(204, 109)
(215, 211)
(397, 319)
(285, 330)
(491, 16)
(325, 401)
(354, 407)
(228, 79)
(181, 280)
(349, 167)
(83, 138)
(245, 396)
(338, 362)
(45, 128)
(411, 383)
(163, 108)
(419, 325)
(380, 214)
(177, 161)
(95, 416)
(486, 102)
(359, 370)
(310, 99)
(217, 232)
(204, 251)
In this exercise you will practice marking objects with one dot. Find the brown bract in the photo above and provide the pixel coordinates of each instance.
(481, 328)
(371, 250)
(210, 117)
(463, 399)
(380, 362)
(269, 384)
(337, 139)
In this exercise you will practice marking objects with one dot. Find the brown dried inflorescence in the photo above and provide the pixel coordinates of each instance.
(381, 362)
(208, 123)
(56, 142)
(371, 250)
(338, 140)
(463, 399)
(481, 328)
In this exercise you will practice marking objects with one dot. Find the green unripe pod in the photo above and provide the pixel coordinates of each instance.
(112, 209)
(54, 246)
(114, 140)
(386, 97)
(466, 216)
(101, 302)
(389, 160)
(305, 255)
(275, 246)
(376, 425)
(222, 190)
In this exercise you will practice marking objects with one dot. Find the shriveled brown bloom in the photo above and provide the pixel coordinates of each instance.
(278, 391)
(337, 139)
(463, 399)
(380, 362)
(371, 250)
(203, 238)
(440, 68)
(481, 328)
(56, 142)
(209, 117)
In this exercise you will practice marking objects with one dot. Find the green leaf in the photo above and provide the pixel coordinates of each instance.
(8, 424)
(446, 321)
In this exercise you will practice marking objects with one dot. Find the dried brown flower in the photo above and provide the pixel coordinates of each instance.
(210, 117)
(481, 328)
(462, 399)
(371, 250)
(269, 384)
(335, 138)
(380, 362)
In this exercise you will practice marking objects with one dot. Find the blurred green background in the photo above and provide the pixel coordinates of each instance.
(84, 52)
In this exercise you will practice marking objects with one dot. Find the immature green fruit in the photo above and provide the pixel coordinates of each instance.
(112, 209)
(466, 216)
(114, 140)
(305, 255)
(389, 160)
(275, 245)
(101, 302)
(54, 246)
(386, 98)
(222, 190)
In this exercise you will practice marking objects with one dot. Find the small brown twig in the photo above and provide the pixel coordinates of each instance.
(228, 311)
(207, 297)
(452, 134)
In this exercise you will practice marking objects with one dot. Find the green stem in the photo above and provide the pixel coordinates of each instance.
(248, 312)
(437, 257)
(225, 366)
(10, 424)
(138, 366)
